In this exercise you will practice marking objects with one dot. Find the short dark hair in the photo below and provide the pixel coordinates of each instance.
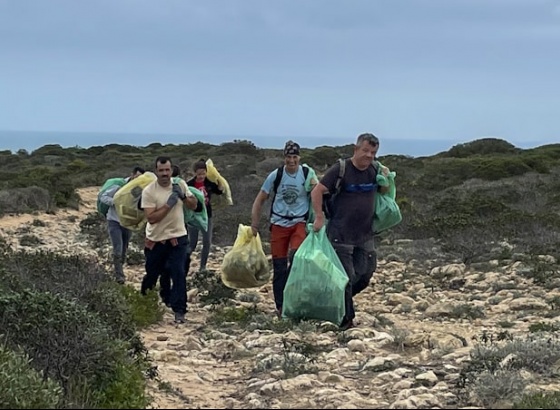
(163, 160)
(200, 164)
(372, 139)
(138, 169)
(176, 171)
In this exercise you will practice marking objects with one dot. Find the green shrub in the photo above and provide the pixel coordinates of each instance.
(60, 187)
(145, 309)
(94, 226)
(544, 400)
(27, 199)
(211, 288)
(483, 146)
(493, 388)
(543, 327)
(73, 346)
(22, 386)
(74, 276)
(30, 240)
(241, 316)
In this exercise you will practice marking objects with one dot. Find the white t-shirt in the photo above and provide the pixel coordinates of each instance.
(173, 224)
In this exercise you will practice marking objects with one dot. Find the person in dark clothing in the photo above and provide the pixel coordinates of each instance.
(350, 228)
(207, 187)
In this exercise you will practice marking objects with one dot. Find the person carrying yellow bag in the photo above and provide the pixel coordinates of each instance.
(201, 182)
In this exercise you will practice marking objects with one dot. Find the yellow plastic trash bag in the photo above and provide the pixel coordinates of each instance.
(127, 202)
(245, 265)
(214, 176)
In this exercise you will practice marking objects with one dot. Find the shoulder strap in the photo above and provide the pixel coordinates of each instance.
(305, 173)
(278, 178)
(341, 170)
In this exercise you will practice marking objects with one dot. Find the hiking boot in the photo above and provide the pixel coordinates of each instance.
(179, 317)
(346, 324)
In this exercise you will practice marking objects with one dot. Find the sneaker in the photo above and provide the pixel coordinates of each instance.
(346, 324)
(279, 313)
(179, 317)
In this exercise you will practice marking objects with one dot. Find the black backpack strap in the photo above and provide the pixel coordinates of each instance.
(276, 184)
(341, 171)
(305, 173)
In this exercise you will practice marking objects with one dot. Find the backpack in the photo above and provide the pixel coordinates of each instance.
(276, 184)
(328, 198)
(111, 182)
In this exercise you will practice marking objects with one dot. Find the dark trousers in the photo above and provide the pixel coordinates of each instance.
(165, 257)
(165, 281)
(360, 262)
(281, 268)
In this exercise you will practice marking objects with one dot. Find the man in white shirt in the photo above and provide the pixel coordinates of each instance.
(166, 234)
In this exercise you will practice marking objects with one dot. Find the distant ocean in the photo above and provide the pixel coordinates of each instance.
(31, 140)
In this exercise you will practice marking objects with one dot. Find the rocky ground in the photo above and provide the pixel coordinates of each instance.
(417, 326)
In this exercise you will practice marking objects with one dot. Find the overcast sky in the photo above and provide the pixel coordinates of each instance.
(415, 69)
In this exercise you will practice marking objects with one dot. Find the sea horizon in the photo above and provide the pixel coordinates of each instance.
(414, 147)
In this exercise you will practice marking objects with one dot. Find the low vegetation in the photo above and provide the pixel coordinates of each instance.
(69, 335)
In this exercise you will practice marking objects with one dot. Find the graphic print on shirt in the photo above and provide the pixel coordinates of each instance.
(290, 193)
(202, 188)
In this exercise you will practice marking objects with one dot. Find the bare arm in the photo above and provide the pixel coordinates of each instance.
(154, 215)
(317, 203)
(256, 211)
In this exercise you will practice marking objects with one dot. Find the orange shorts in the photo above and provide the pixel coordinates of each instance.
(284, 239)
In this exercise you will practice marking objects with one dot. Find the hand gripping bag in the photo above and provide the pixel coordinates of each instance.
(317, 281)
(387, 211)
(127, 202)
(245, 265)
(197, 219)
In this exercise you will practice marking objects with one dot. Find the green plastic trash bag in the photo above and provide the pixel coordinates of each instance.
(197, 219)
(317, 281)
(387, 211)
(111, 182)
